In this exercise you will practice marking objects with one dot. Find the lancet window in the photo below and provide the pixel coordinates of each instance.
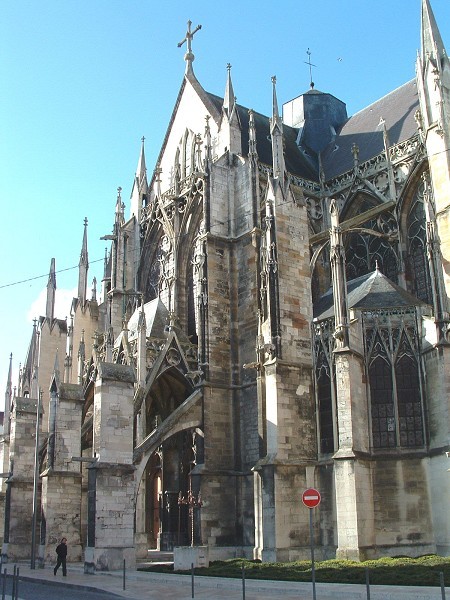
(364, 251)
(418, 270)
(324, 383)
(395, 387)
(152, 289)
(185, 156)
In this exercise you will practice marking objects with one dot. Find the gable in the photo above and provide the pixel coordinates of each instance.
(190, 112)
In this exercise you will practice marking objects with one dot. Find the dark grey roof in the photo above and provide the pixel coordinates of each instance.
(297, 162)
(371, 291)
(364, 129)
(156, 318)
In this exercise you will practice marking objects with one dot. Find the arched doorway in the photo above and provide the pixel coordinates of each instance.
(172, 447)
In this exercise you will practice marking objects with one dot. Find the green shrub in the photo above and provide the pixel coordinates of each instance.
(384, 571)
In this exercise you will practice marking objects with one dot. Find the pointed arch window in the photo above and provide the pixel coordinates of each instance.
(396, 396)
(365, 251)
(382, 404)
(418, 272)
(324, 386)
(185, 156)
(409, 402)
(325, 400)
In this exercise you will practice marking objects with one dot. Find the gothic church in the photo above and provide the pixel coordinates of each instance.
(273, 316)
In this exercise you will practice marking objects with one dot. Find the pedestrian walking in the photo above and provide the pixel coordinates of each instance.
(61, 552)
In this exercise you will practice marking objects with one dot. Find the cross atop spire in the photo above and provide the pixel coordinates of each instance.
(189, 56)
(308, 62)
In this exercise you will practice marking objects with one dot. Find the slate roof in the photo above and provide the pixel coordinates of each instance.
(156, 318)
(364, 130)
(371, 291)
(297, 162)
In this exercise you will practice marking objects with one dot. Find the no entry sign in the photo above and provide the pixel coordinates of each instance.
(311, 498)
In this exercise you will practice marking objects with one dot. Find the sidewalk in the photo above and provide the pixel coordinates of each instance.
(154, 586)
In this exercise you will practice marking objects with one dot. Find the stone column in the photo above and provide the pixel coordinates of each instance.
(287, 406)
(353, 480)
(61, 480)
(111, 493)
(352, 475)
(282, 522)
(19, 491)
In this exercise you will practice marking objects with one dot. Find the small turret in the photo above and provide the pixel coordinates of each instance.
(318, 116)
(51, 293)
(140, 185)
(230, 127)
(276, 133)
(83, 267)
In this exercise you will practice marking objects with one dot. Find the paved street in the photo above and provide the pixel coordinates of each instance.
(41, 590)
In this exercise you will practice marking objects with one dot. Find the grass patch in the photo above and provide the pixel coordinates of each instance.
(384, 571)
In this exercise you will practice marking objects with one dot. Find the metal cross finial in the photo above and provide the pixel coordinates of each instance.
(308, 62)
(228, 67)
(188, 38)
(85, 221)
(143, 139)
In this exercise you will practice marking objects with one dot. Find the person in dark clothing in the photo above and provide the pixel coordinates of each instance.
(61, 551)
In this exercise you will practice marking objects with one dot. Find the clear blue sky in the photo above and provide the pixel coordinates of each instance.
(83, 80)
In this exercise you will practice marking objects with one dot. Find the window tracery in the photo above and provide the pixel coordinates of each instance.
(185, 156)
(418, 269)
(364, 251)
(392, 358)
(324, 378)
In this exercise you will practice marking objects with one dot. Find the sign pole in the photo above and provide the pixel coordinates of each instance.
(311, 498)
(311, 537)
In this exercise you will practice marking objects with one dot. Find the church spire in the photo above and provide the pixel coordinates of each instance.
(229, 101)
(51, 292)
(230, 128)
(119, 215)
(276, 133)
(83, 267)
(141, 171)
(140, 184)
(432, 44)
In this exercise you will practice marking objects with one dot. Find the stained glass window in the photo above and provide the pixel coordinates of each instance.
(382, 403)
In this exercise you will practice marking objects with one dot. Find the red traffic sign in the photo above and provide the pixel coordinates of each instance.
(311, 498)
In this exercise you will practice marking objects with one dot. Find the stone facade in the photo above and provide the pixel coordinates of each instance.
(273, 317)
